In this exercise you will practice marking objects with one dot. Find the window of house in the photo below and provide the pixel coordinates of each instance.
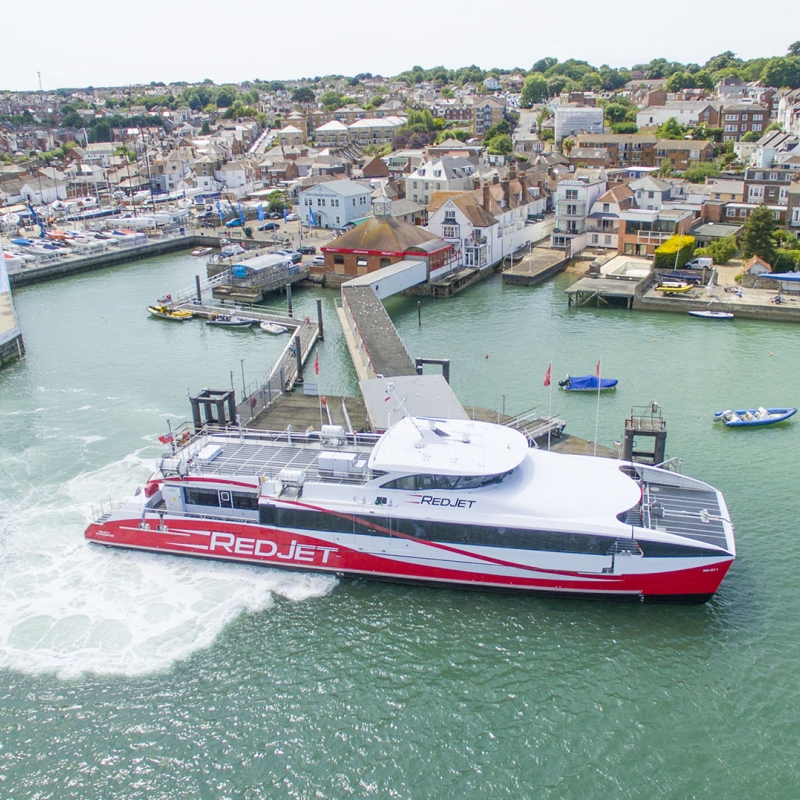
(606, 208)
(338, 259)
(437, 173)
(338, 220)
(385, 262)
(731, 118)
(757, 116)
(757, 126)
(361, 261)
(773, 176)
(450, 231)
(572, 194)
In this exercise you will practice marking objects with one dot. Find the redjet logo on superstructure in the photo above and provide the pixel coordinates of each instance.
(450, 502)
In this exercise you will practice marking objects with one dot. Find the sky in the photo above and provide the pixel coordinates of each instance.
(119, 44)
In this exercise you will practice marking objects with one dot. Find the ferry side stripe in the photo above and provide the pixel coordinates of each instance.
(449, 548)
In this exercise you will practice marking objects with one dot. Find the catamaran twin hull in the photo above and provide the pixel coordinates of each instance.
(456, 503)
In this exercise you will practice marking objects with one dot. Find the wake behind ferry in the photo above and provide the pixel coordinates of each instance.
(456, 503)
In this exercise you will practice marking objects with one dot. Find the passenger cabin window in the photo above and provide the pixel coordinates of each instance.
(448, 482)
(242, 501)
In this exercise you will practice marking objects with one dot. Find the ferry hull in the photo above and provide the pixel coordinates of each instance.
(684, 580)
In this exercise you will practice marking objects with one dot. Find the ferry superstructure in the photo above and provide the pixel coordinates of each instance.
(456, 503)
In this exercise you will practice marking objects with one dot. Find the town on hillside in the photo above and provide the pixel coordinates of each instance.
(472, 167)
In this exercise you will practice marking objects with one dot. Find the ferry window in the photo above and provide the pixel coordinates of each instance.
(225, 500)
(201, 497)
(245, 502)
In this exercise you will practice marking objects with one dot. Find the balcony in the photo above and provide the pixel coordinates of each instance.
(652, 237)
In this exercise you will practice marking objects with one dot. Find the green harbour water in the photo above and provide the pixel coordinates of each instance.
(134, 675)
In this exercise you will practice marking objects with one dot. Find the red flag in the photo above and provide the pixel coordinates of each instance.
(316, 364)
(597, 369)
(547, 375)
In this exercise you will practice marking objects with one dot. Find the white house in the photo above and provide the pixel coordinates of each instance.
(487, 224)
(238, 177)
(574, 199)
(447, 174)
(334, 204)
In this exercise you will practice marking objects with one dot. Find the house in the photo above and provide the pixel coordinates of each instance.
(602, 224)
(238, 178)
(624, 149)
(486, 113)
(334, 204)
(574, 199)
(685, 112)
(768, 185)
(381, 241)
(757, 266)
(683, 153)
(650, 192)
(741, 118)
(290, 136)
(374, 131)
(444, 174)
(332, 134)
(642, 231)
(788, 116)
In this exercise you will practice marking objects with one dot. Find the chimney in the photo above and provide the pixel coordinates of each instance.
(476, 182)
(512, 172)
(487, 198)
(506, 198)
(495, 178)
(523, 186)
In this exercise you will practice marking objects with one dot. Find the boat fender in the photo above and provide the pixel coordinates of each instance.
(324, 400)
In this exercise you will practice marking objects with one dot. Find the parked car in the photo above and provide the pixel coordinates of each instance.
(296, 256)
(319, 261)
(307, 249)
(699, 263)
(233, 223)
(269, 226)
(292, 217)
(275, 215)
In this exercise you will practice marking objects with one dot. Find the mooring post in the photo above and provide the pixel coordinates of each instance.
(419, 312)
(197, 285)
(320, 332)
(298, 358)
(289, 298)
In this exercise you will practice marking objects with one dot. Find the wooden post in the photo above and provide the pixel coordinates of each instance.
(320, 332)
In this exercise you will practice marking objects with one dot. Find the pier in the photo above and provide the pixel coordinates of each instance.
(536, 267)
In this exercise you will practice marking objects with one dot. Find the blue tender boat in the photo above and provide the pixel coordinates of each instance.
(753, 417)
(587, 383)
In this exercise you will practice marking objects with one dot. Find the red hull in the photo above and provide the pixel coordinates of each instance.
(251, 544)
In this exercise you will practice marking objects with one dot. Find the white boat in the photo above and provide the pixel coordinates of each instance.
(707, 314)
(438, 502)
(202, 251)
(273, 328)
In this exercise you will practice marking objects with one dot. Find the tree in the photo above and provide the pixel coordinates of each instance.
(794, 49)
(698, 173)
(757, 237)
(205, 128)
(502, 127)
(782, 72)
(534, 90)
(499, 145)
(225, 96)
(750, 136)
(101, 132)
(303, 95)
(331, 100)
(544, 64)
(567, 146)
(671, 129)
(277, 201)
(624, 127)
(615, 112)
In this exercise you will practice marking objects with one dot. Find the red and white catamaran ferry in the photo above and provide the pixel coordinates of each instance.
(433, 501)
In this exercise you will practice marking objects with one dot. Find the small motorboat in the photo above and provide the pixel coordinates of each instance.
(706, 314)
(753, 417)
(273, 328)
(674, 287)
(202, 251)
(229, 321)
(166, 312)
(587, 383)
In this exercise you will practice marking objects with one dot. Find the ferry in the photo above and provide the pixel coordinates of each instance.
(440, 502)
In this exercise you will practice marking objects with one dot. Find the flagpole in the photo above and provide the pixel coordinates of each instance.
(549, 405)
(597, 415)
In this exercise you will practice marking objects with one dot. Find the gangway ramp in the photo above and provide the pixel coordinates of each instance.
(375, 344)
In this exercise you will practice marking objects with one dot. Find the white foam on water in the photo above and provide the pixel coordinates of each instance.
(70, 607)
